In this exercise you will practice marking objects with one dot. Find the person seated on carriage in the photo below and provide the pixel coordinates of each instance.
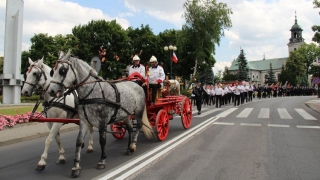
(155, 78)
(137, 67)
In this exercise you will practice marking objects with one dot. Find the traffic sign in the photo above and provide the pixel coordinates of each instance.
(316, 80)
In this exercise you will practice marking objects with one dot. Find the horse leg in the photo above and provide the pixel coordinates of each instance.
(103, 141)
(90, 146)
(76, 169)
(130, 132)
(54, 129)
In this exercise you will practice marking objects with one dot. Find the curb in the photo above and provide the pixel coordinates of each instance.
(39, 135)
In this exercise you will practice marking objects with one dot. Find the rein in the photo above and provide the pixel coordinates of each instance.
(63, 72)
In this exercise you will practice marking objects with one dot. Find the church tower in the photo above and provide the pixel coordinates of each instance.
(296, 39)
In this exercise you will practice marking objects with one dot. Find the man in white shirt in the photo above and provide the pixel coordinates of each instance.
(236, 91)
(137, 67)
(219, 92)
(155, 78)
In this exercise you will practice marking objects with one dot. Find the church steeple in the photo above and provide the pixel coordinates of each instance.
(296, 32)
(296, 39)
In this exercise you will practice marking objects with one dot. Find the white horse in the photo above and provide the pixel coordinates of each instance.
(100, 103)
(38, 76)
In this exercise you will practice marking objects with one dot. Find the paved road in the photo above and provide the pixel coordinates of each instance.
(254, 141)
(271, 139)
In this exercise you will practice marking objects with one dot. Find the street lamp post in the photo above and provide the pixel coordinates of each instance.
(316, 64)
(171, 48)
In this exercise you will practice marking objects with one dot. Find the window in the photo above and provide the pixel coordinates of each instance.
(252, 76)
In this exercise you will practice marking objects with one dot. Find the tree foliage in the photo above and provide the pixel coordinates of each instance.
(271, 78)
(204, 27)
(316, 28)
(243, 69)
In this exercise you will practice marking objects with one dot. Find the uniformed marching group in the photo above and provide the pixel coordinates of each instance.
(239, 93)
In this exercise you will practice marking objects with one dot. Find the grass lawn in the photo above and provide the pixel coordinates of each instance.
(13, 110)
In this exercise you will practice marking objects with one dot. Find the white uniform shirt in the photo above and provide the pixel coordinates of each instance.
(237, 90)
(242, 88)
(139, 68)
(250, 88)
(212, 92)
(155, 74)
(219, 91)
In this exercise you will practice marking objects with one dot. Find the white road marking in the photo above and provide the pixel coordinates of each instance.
(278, 125)
(128, 169)
(284, 113)
(249, 124)
(308, 127)
(208, 112)
(304, 114)
(223, 123)
(226, 113)
(245, 113)
(264, 113)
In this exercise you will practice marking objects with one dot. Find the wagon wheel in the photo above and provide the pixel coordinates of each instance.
(162, 125)
(186, 113)
(119, 130)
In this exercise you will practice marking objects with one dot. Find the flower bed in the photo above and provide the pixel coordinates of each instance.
(7, 121)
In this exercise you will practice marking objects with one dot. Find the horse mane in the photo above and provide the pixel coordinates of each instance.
(82, 65)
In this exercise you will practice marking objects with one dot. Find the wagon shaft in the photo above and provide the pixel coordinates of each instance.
(58, 120)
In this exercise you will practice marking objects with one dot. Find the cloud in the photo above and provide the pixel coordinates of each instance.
(54, 17)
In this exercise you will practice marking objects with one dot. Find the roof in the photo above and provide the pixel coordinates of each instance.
(261, 65)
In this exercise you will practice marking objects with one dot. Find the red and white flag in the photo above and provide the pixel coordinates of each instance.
(174, 57)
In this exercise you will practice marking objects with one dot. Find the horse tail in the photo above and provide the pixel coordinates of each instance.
(146, 127)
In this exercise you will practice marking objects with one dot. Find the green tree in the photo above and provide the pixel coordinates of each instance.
(204, 27)
(227, 76)
(243, 67)
(1, 65)
(109, 34)
(316, 28)
(271, 78)
(294, 68)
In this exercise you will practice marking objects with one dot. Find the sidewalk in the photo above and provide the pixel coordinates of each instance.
(28, 131)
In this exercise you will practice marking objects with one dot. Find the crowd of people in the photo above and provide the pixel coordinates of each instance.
(239, 93)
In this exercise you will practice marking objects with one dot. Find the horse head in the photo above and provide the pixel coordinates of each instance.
(63, 75)
(35, 77)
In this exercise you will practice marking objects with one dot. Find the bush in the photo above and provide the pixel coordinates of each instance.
(33, 98)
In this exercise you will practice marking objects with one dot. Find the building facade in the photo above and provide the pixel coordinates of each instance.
(258, 69)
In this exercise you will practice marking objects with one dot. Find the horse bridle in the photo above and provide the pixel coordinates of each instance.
(38, 76)
(63, 71)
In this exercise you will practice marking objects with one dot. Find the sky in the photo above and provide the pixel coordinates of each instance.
(259, 27)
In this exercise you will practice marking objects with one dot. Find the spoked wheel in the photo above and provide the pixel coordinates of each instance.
(119, 130)
(186, 113)
(162, 125)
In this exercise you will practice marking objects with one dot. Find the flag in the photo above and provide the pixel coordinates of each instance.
(277, 85)
(289, 86)
(174, 57)
(272, 86)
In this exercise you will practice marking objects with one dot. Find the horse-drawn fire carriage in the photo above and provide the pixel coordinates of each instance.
(123, 104)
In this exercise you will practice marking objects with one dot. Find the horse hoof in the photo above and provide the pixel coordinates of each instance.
(61, 161)
(40, 167)
(89, 150)
(82, 146)
(101, 166)
(128, 152)
(133, 150)
(75, 172)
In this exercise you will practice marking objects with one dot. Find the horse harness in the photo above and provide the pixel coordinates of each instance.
(63, 72)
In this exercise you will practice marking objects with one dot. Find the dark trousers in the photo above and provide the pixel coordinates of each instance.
(250, 95)
(199, 103)
(218, 99)
(154, 88)
(245, 96)
(236, 100)
(241, 97)
(229, 97)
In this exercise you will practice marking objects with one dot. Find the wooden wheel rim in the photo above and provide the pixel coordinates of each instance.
(186, 114)
(162, 125)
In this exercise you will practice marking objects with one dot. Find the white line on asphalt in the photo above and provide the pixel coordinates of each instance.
(264, 113)
(249, 124)
(223, 123)
(304, 114)
(208, 112)
(126, 170)
(245, 113)
(226, 113)
(278, 125)
(308, 127)
(284, 113)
